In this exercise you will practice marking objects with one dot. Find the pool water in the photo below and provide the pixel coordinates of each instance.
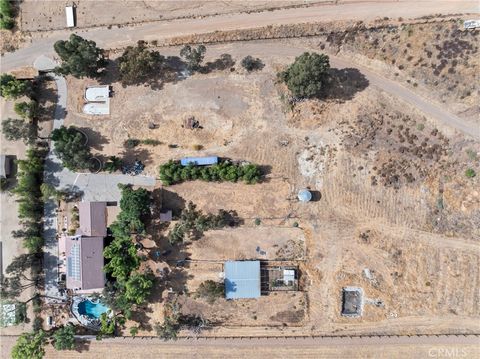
(91, 309)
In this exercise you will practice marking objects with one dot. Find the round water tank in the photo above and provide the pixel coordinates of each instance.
(304, 195)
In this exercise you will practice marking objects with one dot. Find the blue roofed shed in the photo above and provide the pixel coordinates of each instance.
(199, 161)
(242, 279)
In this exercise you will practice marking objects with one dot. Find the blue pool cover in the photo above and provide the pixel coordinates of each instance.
(199, 161)
(242, 279)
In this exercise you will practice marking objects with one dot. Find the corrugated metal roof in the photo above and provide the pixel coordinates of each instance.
(199, 161)
(242, 279)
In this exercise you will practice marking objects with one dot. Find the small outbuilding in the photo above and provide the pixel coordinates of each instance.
(199, 161)
(242, 279)
(352, 302)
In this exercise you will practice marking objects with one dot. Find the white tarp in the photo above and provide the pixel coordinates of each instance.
(471, 24)
(97, 108)
(97, 93)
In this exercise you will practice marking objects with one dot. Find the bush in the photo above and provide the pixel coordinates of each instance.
(250, 64)
(7, 21)
(173, 172)
(113, 164)
(211, 290)
(308, 75)
(131, 143)
(26, 110)
(470, 173)
(151, 142)
(11, 88)
(197, 147)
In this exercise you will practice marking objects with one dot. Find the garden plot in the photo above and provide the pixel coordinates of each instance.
(267, 243)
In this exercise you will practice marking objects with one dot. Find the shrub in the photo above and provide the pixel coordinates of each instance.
(470, 173)
(173, 172)
(258, 221)
(7, 21)
(113, 164)
(211, 290)
(197, 147)
(26, 110)
(250, 64)
(131, 143)
(308, 75)
(11, 88)
(151, 142)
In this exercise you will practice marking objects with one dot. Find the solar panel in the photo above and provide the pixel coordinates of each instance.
(73, 262)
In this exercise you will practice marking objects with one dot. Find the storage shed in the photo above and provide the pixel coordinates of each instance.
(199, 161)
(242, 279)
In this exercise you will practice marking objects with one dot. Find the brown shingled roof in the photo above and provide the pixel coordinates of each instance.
(93, 219)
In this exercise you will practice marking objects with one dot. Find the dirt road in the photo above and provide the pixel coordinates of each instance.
(395, 347)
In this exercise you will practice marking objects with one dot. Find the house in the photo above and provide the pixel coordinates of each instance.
(84, 264)
(242, 279)
(93, 219)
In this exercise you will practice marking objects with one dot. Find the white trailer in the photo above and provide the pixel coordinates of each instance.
(70, 13)
(471, 24)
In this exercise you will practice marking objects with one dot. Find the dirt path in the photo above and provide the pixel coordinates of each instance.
(394, 347)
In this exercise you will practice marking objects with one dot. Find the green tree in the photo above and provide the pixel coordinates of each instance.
(30, 345)
(135, 206)
(308, 75)
(80, 57)
(64, 338)
(193, 56)
(137, 287)
(123, 258)
(14, 130)
(113, 164)
(250, 63)
(26, 110)
(107, 325)
(211, 290)
(139, 64)
(11, 88)
(7, 20)
(70, 147)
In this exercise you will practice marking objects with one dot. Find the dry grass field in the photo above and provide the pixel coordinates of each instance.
(393, 199)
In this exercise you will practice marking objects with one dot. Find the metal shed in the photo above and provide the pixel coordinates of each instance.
(199, 161)
(242, 279)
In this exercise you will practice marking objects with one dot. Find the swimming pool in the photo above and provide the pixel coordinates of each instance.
(91, 309)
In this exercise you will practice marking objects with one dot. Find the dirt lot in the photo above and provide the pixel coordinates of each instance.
(89, 13)
(393, 195)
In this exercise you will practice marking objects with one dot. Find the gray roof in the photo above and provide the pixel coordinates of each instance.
(85, 263)
(93, 219)
(242, 279)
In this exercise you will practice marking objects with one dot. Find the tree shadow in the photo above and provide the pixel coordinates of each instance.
(130, 155)
(343, 84)
(111, 73)
(171, 200)
(46, 96)
(82, 345)
(225, 61)
(95, 139)
(140, 316)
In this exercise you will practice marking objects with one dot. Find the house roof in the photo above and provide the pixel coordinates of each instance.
(242, 279)
(93, 219)
(85, 263)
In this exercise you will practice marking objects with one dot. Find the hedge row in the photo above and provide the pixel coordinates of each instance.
(173, 172)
